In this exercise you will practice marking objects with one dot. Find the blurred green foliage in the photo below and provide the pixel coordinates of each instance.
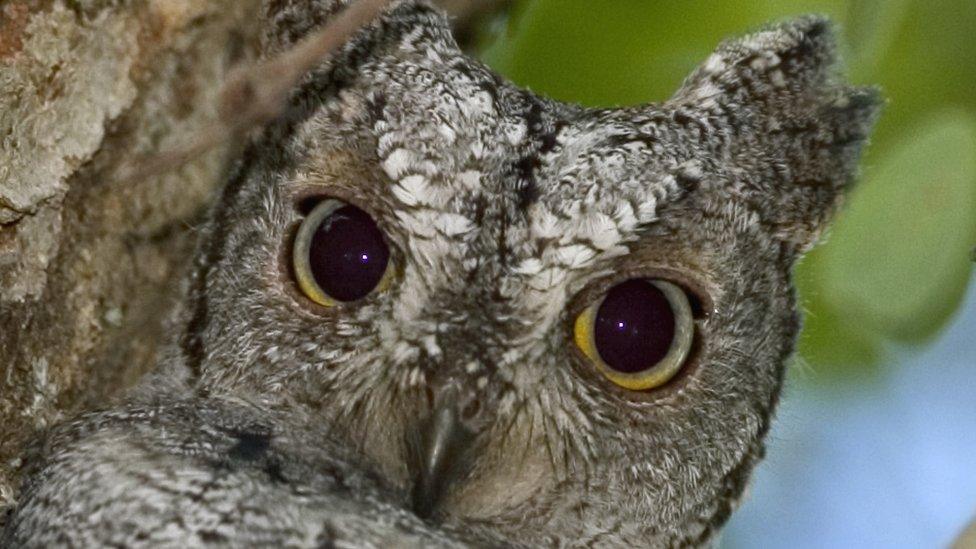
(898, 259)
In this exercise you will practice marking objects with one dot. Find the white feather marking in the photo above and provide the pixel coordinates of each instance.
(417, 223)
(478, 150)
(706, 94)
(545, 225)
(450, 136)
(575, 256)
(404, 352)
(471, 179)
(453, 224)
(714, 64)
(600, 230)
(431, 346)
(547, 279)
(477, 105)
(531, 266)
(418, 189)
(515, 133)
(647, 210)
(399, 163)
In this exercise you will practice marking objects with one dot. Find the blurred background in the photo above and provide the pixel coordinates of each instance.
(875, 443)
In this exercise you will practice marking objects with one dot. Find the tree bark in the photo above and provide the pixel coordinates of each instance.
(90, 263)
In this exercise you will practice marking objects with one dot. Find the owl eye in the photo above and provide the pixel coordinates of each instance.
(340, 255)
(639, 335)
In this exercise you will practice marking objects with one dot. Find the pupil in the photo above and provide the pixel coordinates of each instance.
(634, 326)
(348, 255)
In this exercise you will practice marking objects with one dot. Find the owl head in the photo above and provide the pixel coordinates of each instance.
(537, 321)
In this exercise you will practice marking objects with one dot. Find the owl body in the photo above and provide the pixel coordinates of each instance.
(457, 403)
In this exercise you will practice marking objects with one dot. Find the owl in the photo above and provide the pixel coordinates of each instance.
(433, 309)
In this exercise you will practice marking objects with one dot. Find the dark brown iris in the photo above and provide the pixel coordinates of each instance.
(348, 255)
(634, 326)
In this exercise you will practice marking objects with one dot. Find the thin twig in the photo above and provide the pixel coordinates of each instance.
(467, 15)
(252, 96)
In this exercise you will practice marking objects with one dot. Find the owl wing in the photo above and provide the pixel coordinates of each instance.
(196, 473)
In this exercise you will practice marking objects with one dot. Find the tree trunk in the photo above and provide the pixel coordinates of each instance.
(89, 263)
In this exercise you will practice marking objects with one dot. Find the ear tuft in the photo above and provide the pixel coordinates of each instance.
(779, 62)
(792, 131)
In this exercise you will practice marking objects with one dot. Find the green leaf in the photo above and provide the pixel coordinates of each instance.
(872, 31)
(832, 347)
(898, 259)
(925, 64)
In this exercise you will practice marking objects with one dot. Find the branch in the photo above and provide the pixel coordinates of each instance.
(467, 15)
(253, 96)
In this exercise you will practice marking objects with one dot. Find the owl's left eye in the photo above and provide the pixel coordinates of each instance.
(639, 334)
(340, 254)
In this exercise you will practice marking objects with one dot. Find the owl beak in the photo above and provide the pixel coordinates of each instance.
(443, 441)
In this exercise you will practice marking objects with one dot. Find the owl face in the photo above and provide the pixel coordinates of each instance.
(535, 320)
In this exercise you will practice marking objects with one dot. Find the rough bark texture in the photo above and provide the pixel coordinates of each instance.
(89, 264)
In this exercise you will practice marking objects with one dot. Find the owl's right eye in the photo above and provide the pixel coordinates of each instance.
(639, 334)
(340, 254)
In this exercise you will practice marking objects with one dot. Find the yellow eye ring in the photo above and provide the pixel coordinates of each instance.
(663, 366)
(340, 255)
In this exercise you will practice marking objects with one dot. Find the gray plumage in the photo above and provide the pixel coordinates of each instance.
(275, 421)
